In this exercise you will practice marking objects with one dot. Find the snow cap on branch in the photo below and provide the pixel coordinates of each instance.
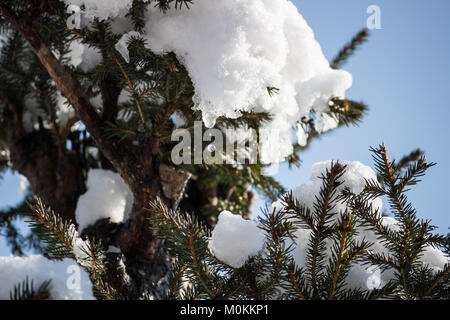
(234, 50)
(354, 178)
(102, 9)
(14, 270)
(108, 196)
(235, 239)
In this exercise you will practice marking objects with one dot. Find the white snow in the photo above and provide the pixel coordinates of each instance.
(434, 258)
(14, 270)
(359, 276)
(325, 122)
(80, 248)
(122, 44)
(107, 196)
(3, 39)
(302, 136)
(64, 111)
(24, 185)
(353, 178)
(235, 239)
(178, 119)
(75, 55)
(91, 58)
(234, 50)
(102, 9)
(83, 56)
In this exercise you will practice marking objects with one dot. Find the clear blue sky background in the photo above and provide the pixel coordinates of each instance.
(402, 73)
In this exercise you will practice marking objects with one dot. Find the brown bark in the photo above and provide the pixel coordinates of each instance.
(54, 173)
(146, 261)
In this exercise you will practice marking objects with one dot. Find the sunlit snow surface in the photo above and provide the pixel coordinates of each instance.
(68, 281)
(234, 50)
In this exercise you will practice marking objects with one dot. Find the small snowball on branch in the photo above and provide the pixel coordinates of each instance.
(235, 239)
(107, 196)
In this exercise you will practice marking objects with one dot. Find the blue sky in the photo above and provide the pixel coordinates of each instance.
(402, 73)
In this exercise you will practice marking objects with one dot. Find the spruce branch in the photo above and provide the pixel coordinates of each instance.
(278, 228)
(133, 91)
(165, 5)
(175, 281)
(350, 48)
(58, 234)
(298, 281)
(405, 246)
(344, 253)
(26, 291)
(63, 242)
(186, 239)
(409, 159)
(68, 84)
(17, 242)
(137, 13)
(322, 215)
(301, 212)
(348, 111)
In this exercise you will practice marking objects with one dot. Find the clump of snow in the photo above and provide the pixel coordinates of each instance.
(76, 49)
(107, 196)
(234, 50)
(80, 248)
(434, 258)
(235, 239)
(83, 56)
(178, 119)
(64, 284)
(362, 276)
(239, 144)
(102, 9)
(32, 113)
(325, 122)
(91, 58)
(3, 39)
(24, 185)
(353, 178)
(302, 136)
(64, 111)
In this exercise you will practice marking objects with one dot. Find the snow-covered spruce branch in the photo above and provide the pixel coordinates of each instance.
(413, 239)
(133, 76)
(320, 241)
(334, 244)
(350, 48)
(62, 241)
